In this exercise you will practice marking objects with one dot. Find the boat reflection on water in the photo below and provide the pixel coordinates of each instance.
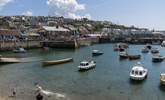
(161, 87)
(135, 82)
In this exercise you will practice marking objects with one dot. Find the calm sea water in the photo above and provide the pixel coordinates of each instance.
(108, 81)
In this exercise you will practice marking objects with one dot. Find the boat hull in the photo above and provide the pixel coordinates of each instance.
(9, 60)
(162, 79)
(162, 82)
(86, 69)
(138, 78)
(145, 50)
(134, 57)
(97, 54)
(157, 59)
(15, 51)
(56, 62)
(123, 56)
(91, 66)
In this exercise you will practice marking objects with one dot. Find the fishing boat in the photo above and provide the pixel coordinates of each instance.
(86, 65)
(155, 50)
(134, 57)
(55, 62)
(157, 58)
(162, 79)
(5, 60)
(145, 50)
(96, 53)
(123, 55)
(138, 72)
(19, 50)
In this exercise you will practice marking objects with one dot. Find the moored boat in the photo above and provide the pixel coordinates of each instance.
(86, 65)
(155, 50)
(134, 57)
(145, 50)
(6, 60)
(120, 47)
(96, 53)
(19, 50)
(138, 72)
(55, 62)
(123, 55)
(162, 78)
(157, 58)
(163, 44)
(148, 46)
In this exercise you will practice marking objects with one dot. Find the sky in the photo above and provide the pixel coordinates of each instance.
(140, 13)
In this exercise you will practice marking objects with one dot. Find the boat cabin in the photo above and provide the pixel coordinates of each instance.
(95, 51)
(85, 63)
(138, 70)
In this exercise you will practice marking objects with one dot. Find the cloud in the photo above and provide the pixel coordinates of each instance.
(66, 8)
(4, 2)
(28, 13)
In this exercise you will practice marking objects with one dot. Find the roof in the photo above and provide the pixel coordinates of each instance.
(84, 62)
(138, 68)
(9, 32)
(55, 29)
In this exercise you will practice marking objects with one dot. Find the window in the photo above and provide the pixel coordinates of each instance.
(136, 72)
(132, 71)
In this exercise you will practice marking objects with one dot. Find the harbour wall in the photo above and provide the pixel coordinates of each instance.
(60, 44)
(10, 45)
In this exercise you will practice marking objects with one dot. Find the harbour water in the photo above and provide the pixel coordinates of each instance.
(108, 81)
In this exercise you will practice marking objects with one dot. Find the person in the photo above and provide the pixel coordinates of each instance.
(39, 96)
(14, 92)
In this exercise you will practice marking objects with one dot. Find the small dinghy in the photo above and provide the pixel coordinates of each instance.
(123, 55)
(154, 50)
(19, 50)
(55, 62)
(96, 53)
(134, 57)
(145, 50)
(120, 47)
(138, 72)
(7, 60)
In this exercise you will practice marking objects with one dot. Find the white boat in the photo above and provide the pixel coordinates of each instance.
(19, 50)
(163, 44)
(138, 72)
(157, 58)
(162, 79)
(145, 50)
(155, 50)
(96, 53)
(86, 65)
(123, 55)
